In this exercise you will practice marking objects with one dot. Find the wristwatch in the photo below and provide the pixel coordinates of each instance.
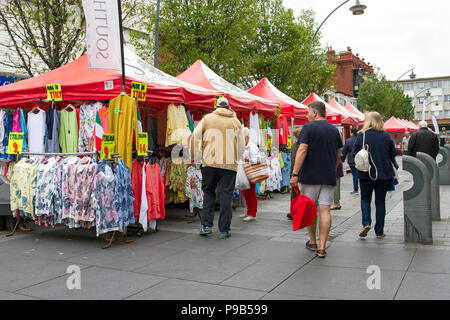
(295, 175)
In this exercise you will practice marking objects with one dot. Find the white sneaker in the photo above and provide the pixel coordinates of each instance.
(242, 215)
(250, 218)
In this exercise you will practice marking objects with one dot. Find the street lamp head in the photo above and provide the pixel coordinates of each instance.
(358, 8)
(428, 93)
(412, 75)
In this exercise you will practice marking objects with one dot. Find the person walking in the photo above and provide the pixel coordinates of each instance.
(347, 154)
(405, 142)
(222, 140)
(317, 158)
(294, 149)
(337, 191)
(381, 173)
(423, 140)
(252, 155)
(443, 139)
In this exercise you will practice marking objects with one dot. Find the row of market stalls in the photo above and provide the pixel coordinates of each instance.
(55, 131)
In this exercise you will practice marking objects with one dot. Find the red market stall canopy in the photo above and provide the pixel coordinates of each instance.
(395, 125)
(348, 117)
(289, 107)
(355, 111)
(240, 100)
(79, 83)
(333, 115)
(408, 124)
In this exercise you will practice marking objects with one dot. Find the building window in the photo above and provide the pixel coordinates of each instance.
(446, 83)
(436, 84)
(420, 100)
(437, 114)
(436, 98)
(408, 86)
(447, 98)
(422, 85)
(447, 113)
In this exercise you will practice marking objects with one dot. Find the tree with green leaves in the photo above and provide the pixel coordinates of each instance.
(46, 34)
(376, 93)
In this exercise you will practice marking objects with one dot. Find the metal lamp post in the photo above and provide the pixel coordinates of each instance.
(411, 76)
(157, 33)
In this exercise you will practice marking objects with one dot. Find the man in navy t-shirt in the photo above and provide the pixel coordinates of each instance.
(318, 155)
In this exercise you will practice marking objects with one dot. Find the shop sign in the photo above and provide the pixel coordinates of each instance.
(15, 143)
(289, 142)
(54, 92)
(142, 144)
(269, 142)
(215, 100)
(278, 111)
(139, 91)
(108, 145)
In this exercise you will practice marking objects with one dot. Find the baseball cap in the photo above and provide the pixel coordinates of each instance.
(223, 103)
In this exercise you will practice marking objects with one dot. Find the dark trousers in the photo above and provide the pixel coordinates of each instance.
(367, 188)
(355, 177)
(225, 180)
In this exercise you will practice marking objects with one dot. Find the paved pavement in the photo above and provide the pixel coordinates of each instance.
(264, 259)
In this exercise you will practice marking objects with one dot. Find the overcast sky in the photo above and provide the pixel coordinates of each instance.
(394, 35)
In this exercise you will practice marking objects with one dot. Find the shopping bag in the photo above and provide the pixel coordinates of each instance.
(242, 182)
(303, 210)
(256, 172)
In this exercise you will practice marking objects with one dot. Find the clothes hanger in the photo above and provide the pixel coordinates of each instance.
(36, 107)
(69, 106)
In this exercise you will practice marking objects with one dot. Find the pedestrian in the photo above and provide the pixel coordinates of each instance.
(222, 141)
(252, 155)
(294, 150)
(337, 191)
(423, 140)
(347, 154)
(405, 142)
(443, 139)
(381, 173)
(318, 155)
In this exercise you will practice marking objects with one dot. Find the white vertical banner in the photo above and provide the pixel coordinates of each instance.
(424, 107)
(103, 34)
(436, 127)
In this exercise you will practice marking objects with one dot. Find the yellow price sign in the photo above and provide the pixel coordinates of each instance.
(215, 100)
(269, 142)
(142, 144)
(15, 143)
(278, 111)
(108, 145)
(289, 142)
(138, 91)
(54, 92)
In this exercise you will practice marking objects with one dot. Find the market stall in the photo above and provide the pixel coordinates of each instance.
(333, 116)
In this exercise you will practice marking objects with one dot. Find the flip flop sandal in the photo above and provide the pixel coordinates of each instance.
(321, 253)
(364, 232)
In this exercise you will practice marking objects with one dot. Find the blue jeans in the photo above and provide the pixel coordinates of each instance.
(355, 178)
(367, 188)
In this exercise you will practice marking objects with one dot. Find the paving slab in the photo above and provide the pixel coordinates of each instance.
(22, 272)
(431, 260)
(12, 296)
(276, 251)
(424, 286)
(175, 289)
(263, 275)
(275, 296)
(339, 283)
(195, 266)
(339, 255)
(96, 283)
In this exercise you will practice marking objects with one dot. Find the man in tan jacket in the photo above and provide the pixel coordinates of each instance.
(222, 144)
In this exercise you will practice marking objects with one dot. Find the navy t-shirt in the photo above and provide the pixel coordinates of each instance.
(323, 140)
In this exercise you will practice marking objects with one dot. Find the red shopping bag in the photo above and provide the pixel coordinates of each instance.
(303, 210)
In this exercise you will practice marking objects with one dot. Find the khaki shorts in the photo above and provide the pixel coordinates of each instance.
(319, 193)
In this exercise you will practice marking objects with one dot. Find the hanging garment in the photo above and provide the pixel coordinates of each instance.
(177, 180)
(101, 126)
(68, 131)
(263, 133)
(86, 137)
(286, 170)
(23, 183)
(36, 124)
(66, 211)
(136, 183)
(155, 192)
(123, 195)
(194, 188)
(52, 132)
(152, 130)
(2, 131)
(282, 129)
(143, 210)
(123, 123)
(177, 126)
(274, 180)
(106, 215)
(189, 119)
(19, 125)
(255, 134)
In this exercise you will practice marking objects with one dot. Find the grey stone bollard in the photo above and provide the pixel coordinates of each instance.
(444, 166)
(417, 203)
(433, 169)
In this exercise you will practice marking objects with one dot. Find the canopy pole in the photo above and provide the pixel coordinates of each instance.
(119, 4)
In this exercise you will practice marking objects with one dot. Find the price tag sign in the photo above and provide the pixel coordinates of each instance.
(142, 144)
(54, 92)
(278, 111)
(108, 144)
(15, 143)
(138, 91)
(289, 142)
(269, 143)
(215, 100)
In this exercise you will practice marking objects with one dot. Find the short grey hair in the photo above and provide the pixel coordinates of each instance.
(423, 124)
(319, 107)
(246, 131)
